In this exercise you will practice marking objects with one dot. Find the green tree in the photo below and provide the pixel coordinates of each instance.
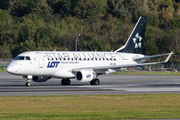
(19, 7)
(150, 43)
(117, 8)
(174, 23)
(153, 19)
(23, 47)
(90, 8)
(167, 14)
(62, 7)
(3, 16)
(4, 4)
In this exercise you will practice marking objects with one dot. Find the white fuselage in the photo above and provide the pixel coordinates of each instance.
(59, 64)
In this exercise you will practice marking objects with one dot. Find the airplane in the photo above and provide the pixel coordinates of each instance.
(40, 66)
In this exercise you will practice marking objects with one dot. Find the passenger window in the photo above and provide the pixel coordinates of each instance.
(28, 58)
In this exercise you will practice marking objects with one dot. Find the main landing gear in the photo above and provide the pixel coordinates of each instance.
(65, 82)
(95, 82)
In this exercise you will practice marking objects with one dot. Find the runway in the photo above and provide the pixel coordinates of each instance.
(11, 85)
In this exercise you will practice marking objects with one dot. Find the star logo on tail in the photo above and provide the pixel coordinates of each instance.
(137, 41)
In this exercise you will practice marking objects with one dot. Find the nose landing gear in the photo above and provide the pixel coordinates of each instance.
(28, 84)
(28, 80)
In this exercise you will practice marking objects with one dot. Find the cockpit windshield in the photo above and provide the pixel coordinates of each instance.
(27, 58)
(19, 58)
(22, 58)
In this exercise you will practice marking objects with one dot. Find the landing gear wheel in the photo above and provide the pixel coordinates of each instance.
(68, 82)
(95, 82)
(92, 82)
(65, 82)
(28, 84)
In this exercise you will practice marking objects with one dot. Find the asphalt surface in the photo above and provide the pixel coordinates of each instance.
(11, 85)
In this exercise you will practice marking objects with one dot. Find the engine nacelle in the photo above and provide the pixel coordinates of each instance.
(40, 78)
(85, 76)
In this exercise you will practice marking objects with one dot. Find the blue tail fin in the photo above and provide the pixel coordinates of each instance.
(135, 41)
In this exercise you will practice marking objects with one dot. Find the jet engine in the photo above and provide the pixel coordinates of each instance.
(40, 78)
(85, 75)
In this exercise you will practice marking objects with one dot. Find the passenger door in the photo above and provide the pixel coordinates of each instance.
(41, 59)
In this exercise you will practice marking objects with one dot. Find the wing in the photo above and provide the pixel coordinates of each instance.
(143, 59)
(102, 69)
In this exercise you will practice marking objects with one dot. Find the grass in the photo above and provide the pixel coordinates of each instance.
(2, 69)
(139, 106)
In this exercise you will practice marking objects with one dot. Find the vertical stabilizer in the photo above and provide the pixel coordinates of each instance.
(135, 41)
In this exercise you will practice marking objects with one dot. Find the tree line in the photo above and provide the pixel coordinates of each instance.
(104, 25)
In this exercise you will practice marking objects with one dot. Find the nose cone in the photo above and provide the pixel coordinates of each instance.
(10, 69)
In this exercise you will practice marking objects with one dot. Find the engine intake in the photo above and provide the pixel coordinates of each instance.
(85, 75)
(40, 78)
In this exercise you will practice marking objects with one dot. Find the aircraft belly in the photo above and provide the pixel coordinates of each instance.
(63, 73)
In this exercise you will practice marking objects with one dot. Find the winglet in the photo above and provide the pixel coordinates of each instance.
(167, 59)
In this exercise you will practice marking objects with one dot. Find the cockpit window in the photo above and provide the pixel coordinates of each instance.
(28, 58)
(19, 58)
(22, 58)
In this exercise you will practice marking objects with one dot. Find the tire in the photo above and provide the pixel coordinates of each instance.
(28, 84)
(92, 82)
(68, 82)
(96, 82)
(65, 82)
